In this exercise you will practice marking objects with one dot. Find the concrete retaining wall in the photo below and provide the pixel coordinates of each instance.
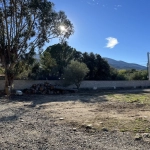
(22, 84)
(115, 84)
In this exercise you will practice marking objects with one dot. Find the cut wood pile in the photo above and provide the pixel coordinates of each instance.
(48, 88)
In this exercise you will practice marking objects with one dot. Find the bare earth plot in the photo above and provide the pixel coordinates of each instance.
(80, 121)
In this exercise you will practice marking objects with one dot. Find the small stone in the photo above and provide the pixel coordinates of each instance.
(61, 118)
(137, 137)
(101, 122)
(144, 116)
(89, 126)
(19, 92)
(74, 129)
(104, 129)
(22, 120)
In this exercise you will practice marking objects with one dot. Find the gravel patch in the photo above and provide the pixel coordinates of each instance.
(23, 126)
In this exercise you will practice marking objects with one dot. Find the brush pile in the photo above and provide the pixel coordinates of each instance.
(48, 88)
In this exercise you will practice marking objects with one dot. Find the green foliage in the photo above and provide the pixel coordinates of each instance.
(75, 73)
(42, 69)
(133, 74)
(34, 71)
(2, 70)
(113, 73)
(22, 67)
(25, 26)
(47, 62)
(99, 68)
(63, 54)
(140, 75)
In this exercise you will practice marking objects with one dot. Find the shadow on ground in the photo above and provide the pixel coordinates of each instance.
(11, 114)
(41, 99)
(85, 96)
(8, 118)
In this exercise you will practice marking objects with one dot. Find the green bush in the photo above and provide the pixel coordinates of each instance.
(75, 73)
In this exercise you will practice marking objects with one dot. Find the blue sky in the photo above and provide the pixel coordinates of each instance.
(117, 29)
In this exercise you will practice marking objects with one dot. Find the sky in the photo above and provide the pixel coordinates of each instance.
(117, 29)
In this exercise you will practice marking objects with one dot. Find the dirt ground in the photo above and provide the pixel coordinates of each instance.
(31, 118)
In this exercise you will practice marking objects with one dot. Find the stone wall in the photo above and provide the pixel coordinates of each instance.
(22, 84)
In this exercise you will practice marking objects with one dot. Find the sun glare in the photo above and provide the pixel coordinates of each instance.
(62, 28)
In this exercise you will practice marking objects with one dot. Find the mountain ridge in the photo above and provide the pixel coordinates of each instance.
(118, 64)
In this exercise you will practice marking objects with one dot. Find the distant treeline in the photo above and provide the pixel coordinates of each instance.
(57, 57)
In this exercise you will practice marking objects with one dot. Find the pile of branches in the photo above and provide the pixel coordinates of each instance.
(47, 88)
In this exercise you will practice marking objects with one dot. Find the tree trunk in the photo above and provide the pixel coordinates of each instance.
(8, 83)
(78, 85)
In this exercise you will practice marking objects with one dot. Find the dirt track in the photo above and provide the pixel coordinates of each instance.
(33, 122)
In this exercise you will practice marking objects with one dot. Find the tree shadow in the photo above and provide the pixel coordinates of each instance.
(84, 96)
(37, 100)
(12, 114)
(8, 118)
(41, 99)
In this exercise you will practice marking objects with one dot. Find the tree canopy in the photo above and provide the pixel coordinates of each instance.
(25, 27)
(99, 68)
(63, 54)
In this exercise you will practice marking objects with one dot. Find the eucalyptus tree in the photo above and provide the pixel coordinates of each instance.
(25, 26)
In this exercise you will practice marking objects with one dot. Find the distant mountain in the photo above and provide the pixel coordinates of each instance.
(124, 65)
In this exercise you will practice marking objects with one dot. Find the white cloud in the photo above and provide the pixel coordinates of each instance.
(112, 42)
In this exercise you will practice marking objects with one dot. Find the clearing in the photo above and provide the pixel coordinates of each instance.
(83, 120)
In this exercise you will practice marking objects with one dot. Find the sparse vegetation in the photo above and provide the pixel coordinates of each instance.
(130, 98)
(84, 113)
(122, 112)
